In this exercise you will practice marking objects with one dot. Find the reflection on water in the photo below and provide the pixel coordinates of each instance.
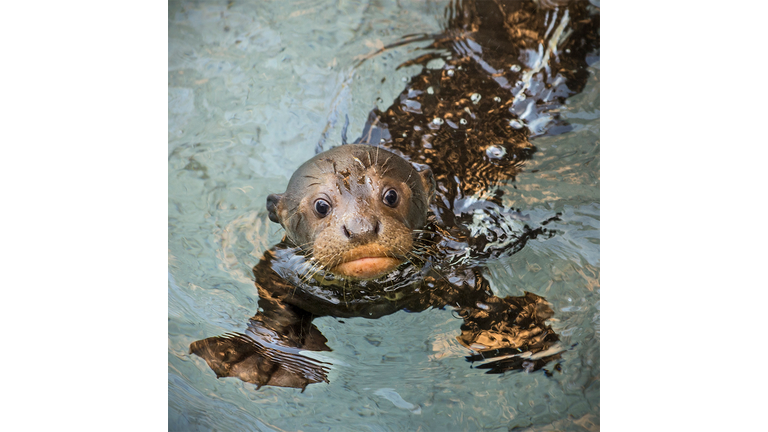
(511, 280)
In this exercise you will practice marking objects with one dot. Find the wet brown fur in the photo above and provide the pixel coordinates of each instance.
(353, 179)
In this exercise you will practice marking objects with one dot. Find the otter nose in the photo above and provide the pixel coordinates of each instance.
(360, 229)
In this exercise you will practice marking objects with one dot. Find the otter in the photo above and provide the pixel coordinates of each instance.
(354, 208)
(406, 217)
(361, 241)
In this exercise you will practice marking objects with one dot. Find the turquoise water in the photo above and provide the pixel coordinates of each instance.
(252, 90)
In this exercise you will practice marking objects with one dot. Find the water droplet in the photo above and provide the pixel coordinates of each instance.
(497, 99)
(430, 90)
(463, 121)
(450, 72)
(495, 152)
(515, 68)
(437, 121)
(515, 124)
(475, 98)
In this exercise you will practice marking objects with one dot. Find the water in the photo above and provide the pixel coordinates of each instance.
(253, 89)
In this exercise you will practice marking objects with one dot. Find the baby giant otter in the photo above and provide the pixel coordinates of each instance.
(368, 234)
(354, 209)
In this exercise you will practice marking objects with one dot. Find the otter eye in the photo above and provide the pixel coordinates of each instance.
(322, 208)
(390, 198)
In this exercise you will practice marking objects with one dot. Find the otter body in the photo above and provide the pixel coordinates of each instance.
(405, 218)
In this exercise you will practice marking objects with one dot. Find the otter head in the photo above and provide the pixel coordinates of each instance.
(354, 209)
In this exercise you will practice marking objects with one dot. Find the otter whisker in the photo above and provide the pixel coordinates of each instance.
(426, 241)
(315, 269)
(426, 250)
(413, 258)
(279, 227)
(384, 166)
(423, 252)
(306, 248)
(425, 245)
(306, 267)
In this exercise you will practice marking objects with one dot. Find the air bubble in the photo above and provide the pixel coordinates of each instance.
(515, 68)
(463, 121)
(450, 72)
(515, 124)
(437, 121)
(475, 98)
(406, 79)
(430, 90)
(497, 99)
(521, 96)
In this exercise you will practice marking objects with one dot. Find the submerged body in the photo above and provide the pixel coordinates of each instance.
(371, 231)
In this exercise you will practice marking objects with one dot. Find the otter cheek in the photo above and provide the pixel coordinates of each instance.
(367, 268)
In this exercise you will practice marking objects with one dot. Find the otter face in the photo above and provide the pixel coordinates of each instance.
(354, 209)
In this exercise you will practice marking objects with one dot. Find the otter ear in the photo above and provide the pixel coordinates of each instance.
(272, 201)
(428, 181)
